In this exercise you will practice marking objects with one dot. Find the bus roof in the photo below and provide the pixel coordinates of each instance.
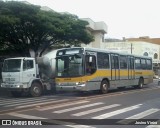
(103, 50)
(20, 58)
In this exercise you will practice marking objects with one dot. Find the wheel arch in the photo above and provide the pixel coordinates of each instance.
(38, 81)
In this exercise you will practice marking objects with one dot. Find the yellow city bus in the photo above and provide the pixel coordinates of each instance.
(86, 69)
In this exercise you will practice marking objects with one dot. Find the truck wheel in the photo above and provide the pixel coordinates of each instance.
(104, 87)
(36, 89)
(140, 83)
(16, 93)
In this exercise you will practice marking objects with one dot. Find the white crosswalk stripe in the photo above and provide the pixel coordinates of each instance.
(63, 105)
(24, 102)
(110, 114)
(25, 116)
(14, 101)
(139, 116)
(79, 107)
(153, 126)
(95, 110)
(37, 104)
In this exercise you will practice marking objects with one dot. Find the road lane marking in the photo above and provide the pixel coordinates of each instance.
(23, 103)
(76, 108)
(139, 116)
(20, 101)
(63, 105)
(110, 114)
(30, 105)
(24, 116)
(95, 110)
(153, 126)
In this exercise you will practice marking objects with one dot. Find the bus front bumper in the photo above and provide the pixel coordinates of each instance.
(71, 87)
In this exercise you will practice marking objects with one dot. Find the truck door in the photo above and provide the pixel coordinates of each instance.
(29, 70)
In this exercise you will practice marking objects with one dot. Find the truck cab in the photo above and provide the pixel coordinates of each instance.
(19, 76)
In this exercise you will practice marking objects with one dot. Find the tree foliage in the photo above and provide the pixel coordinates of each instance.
(25, 27)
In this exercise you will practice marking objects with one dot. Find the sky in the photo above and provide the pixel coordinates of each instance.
(124, 18)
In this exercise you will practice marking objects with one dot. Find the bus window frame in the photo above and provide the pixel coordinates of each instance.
(94, 58)
(102, 66)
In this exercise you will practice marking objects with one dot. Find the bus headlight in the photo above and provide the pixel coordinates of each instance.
(81, 83)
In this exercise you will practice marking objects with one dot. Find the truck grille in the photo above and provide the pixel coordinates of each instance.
(9, 79)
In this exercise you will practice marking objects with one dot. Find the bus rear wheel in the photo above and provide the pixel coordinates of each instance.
(36, 89)
(104, 87)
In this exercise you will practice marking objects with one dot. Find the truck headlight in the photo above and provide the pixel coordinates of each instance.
(17, 86)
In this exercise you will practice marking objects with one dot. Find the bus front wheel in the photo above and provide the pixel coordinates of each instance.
(104, 87)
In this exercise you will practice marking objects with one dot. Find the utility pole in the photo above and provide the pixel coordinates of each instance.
(131, 48)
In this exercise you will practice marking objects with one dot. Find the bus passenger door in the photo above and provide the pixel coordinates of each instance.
(131, 72)
(114, 70)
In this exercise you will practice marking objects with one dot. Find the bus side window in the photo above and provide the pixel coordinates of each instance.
(137, 63)
(143, 63)
(149, 64)
(103, 60)
(123, 62)
(114, 62)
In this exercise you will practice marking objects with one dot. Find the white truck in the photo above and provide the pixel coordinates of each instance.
(25, 75)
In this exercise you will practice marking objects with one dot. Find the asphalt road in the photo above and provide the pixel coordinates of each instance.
(119, 108)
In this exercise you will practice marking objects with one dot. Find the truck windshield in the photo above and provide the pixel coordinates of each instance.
(69, 66)
(12, 65)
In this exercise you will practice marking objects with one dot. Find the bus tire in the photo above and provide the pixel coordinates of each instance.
(36, 89)
(140, 83)
(104, 87)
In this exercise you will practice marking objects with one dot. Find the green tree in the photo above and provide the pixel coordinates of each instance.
(26, 27)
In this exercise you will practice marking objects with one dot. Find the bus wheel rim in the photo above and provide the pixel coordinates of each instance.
(105, 86)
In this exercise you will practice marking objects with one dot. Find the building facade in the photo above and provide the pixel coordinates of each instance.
(98, 30)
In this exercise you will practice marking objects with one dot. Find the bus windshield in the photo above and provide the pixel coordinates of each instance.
(70, 65)
(12, 65)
